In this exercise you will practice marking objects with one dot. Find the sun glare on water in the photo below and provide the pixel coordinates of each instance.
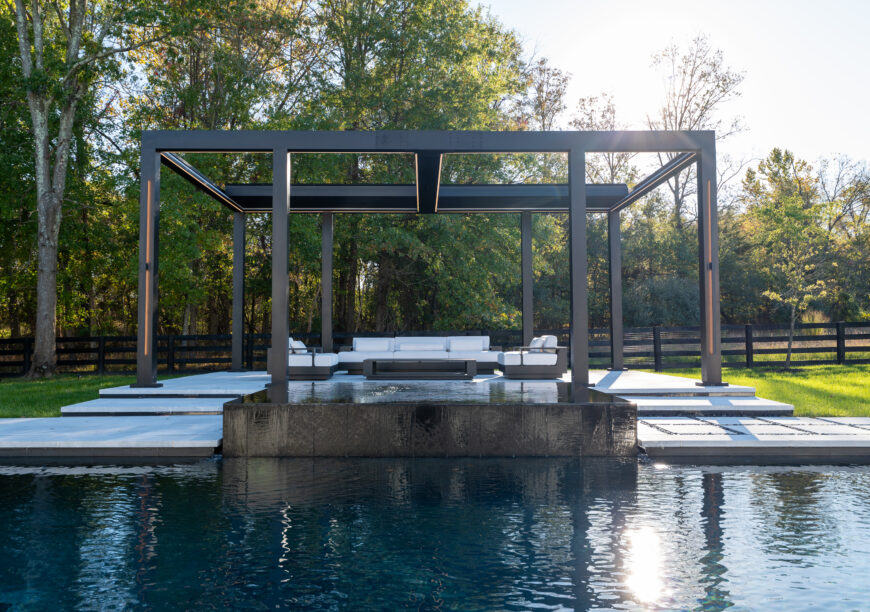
(645, 567)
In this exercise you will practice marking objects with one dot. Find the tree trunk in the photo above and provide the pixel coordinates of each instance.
(790, 337)
(382, 287)
(45, 331)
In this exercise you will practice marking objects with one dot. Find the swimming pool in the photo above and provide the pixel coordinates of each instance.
(513, 534)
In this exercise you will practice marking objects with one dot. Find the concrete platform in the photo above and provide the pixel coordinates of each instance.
(151, 436)
(632, 382)
(146, 406)
(213, 384)
(790, 439)
(709, 406)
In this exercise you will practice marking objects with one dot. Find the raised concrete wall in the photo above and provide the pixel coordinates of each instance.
(429, 430)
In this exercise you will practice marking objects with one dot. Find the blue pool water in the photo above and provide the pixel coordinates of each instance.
(514, 534)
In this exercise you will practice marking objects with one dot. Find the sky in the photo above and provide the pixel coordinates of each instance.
(806, 63)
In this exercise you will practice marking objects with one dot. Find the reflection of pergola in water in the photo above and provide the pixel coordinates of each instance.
(429, 196)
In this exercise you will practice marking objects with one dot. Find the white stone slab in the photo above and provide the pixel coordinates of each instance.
(632, 382)
(213, 384)
(650, 405)
(830, 438)
(146, 406)
(168, 433)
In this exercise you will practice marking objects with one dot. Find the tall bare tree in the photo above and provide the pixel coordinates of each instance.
(697, 84)
(599, 113)
(63, 48)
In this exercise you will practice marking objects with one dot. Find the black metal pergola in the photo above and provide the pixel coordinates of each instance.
(429, 196)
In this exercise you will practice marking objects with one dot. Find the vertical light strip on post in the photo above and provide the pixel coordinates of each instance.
(148, 286)
(708, 229)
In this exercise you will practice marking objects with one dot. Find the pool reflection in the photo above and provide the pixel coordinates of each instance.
(433, 534)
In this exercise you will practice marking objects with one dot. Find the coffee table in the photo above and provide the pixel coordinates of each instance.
(420, 369)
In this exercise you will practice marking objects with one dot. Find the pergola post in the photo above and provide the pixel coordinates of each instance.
(708, 258)
(238, 289)
(614, 239)
(528, 278)
(149, 214)
(280, 344)
(326, 283)
(578, 265)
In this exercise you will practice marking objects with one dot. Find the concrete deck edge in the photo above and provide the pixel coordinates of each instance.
(109, 452)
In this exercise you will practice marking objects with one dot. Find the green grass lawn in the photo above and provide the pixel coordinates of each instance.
(828, 390)
(21, 397)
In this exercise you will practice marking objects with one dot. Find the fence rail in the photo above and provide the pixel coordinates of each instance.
(656, 347)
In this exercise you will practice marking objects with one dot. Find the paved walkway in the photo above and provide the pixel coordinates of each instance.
(148, 436)
(732, 437)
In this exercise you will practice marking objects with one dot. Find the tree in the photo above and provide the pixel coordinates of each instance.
(697, 84)
(792, 245)
(64, 51)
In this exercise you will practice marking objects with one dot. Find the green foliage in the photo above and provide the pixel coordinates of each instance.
(385, 64)
(828, 390)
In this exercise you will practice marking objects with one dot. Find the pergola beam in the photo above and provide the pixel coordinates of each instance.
(528, 278)
(238, 329)
(552, 198)
(326, 242)
(655, 179)
(280, 345)
(196, 178)
(388, 141)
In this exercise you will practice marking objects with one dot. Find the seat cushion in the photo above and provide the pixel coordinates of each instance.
(320, 360)
(420, 354)
(360, 356)
(536, 344)
(479, 356)
(297, 345)
(550, 341)
(378, 345)
(467, 343)
(421, 343)
(512, 358)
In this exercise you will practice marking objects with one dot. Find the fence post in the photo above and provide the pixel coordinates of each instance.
(170, 357)
(101, 355)
(657, 347)
(750, 355)
(841, 342)
(250, 351)
(28, 353)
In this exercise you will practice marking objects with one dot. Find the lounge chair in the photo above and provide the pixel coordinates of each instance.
(543, 358)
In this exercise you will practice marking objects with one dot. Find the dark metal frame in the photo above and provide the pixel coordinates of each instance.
(428, 196)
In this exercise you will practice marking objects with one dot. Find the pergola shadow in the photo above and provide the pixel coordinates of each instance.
(428, 196)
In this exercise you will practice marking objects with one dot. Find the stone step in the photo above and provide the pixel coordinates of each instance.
(747, 439)
(733, 405)
(128, 437)
(213, 384)
(146, 406)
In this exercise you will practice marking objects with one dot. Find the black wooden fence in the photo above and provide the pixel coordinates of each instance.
(658, 348)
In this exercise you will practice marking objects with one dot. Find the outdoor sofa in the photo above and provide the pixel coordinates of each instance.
(543, 358)
(420, 347)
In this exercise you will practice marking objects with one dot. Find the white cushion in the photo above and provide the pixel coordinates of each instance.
(420, 354)
(373, 344)
(421, 343)
(512, 358)
(320, 360)
(467, 343)
(480, 356)
(536, 344)
(360, 356)
(418, 346)
(296, 345)
(550, 341)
